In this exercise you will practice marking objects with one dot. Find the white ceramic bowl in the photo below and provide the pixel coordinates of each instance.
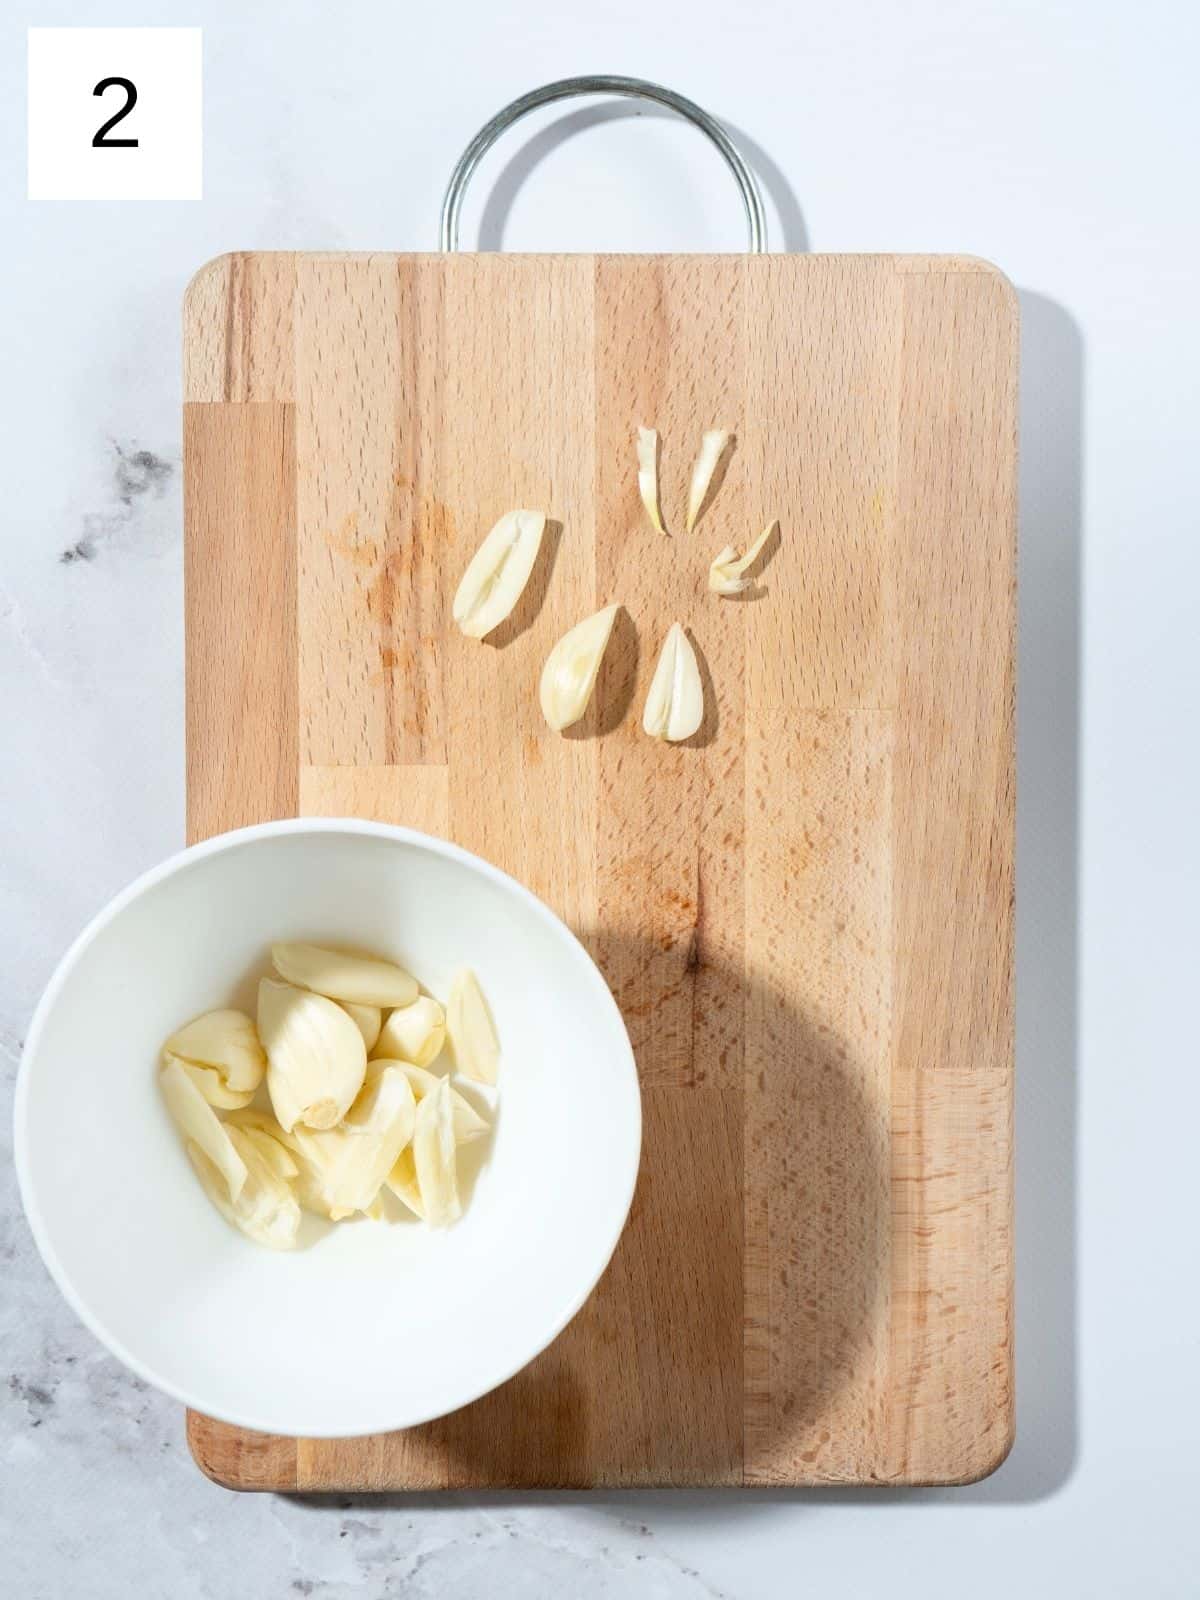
(375, 1325)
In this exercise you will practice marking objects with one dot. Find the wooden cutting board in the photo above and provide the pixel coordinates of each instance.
(805, 912)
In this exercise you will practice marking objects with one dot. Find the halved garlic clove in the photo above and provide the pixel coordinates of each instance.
(367, 1019)
(725, 575)
(675, 703)
(471, 1029)
(316, 1059)
(435, 1158)
(343, 1168)
(572, 667)
(265, 1209)
(342, 976)
(498, 572)
(413, 1033)
(402, 1181)
(211, 1085)
(226, 1041)
(468, 1124)
(201, 1126)
(647, 460)
(272, 1149)
(712, 447)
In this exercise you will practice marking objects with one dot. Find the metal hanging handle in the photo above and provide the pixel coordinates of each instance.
(635, 89)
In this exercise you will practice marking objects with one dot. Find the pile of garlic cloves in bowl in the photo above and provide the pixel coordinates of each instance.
(329, 1096)
(317, 1213)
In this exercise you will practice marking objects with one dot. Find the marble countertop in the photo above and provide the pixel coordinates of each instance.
(912, 128)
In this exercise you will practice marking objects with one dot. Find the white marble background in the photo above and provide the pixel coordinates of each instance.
(1055, 138)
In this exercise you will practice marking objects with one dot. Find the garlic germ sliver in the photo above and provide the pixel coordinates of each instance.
(572, 667)
(712, 446)
(647, 460)
(725, 575)
(497, 573)
(675, 703)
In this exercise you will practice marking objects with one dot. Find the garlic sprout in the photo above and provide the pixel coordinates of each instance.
(725, 575)
(712, 447)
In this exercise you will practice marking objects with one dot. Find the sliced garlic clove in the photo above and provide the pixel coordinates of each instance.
(571, 669)
(343, 976)
(675, 703)
(343, 1168)
(498, 572)
(211, 1085)
(268, 1138)
(435, 1158)
(471, 1030)
(367, 1019)
(725, 575)
(413, 1033)
(402, 1181)
(226, 1041)
(647, 460)
(265, 1209)
(712, 447)
(201, 1126)
(468, 1124)
(316, 1059)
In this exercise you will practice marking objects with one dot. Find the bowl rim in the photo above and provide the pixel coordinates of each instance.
(624, 1182)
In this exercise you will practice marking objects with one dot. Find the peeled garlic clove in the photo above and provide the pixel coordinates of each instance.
(675, 703)
(647, 459)
(316, 1059)
(211, 1085)
(725, 573)
(343, 1168)
(413, 1033)
(434, 1157)
(571, 669)
(226, 1041)
(265, 1210)
(367, 1019)
(376, 1210)
(201, 1126)
(711, 448)
(468, 1124)
(472, 1032)
(402, 1181)
(498, 572)
(361, 980)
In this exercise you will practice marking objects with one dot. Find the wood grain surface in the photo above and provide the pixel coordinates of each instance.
(805, 911)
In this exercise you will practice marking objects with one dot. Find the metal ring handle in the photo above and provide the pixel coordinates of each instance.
(569, 88)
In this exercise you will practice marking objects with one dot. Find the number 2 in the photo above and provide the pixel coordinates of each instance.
(99, 142)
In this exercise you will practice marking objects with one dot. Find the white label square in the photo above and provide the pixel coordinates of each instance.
(145, 83)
